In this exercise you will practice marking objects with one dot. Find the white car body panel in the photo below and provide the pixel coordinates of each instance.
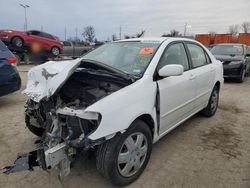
(119, 109)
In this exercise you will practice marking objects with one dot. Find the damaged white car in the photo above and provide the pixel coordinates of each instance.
(117, 101)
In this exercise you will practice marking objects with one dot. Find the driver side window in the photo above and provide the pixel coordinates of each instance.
(175, 54)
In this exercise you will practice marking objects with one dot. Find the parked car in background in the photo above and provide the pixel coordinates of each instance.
(211, 46)
(235, 59)
(74, 49)
(20, 39)
(9, 78)
(118, 100)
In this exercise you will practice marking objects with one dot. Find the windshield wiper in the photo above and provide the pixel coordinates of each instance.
(110, 70)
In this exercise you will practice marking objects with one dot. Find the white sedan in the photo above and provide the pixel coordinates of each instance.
(118, 100)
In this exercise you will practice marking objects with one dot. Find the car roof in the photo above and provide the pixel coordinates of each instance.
(155, 39)
(230, 44)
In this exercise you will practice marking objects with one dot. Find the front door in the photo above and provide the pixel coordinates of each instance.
(177, 93)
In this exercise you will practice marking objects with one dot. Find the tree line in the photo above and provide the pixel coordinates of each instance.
(89, 32)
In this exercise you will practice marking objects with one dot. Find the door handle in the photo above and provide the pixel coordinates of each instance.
(192, 77)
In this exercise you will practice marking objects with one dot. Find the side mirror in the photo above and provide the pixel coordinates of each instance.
(171, 70)
(28, 33)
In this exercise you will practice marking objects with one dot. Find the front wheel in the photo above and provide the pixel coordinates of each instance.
(17, 42)
(123, 158)
(212, 105)
(55, 51)
(242, 77)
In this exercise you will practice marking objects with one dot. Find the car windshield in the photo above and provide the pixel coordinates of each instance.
(130, 57)
(227, 50)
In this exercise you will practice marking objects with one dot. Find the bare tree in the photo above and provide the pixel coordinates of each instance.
(173, 33)
(126, 36)
(89, 33)
(234, 29)
(141, 34)
(212, 33)
(137, 35)
(114, 38)
(246, 27)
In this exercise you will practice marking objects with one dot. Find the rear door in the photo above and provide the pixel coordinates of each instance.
(204, 72)
(177, 93)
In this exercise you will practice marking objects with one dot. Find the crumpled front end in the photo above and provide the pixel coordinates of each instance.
(57, 111)
(45, 79)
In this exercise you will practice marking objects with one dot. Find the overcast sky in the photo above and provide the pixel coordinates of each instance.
(155, 16)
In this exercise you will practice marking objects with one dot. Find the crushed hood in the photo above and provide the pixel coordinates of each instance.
(45, 79)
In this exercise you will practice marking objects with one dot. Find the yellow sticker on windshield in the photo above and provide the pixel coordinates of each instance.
(146, 51)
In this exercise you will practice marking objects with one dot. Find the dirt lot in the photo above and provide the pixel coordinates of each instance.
(203, 152)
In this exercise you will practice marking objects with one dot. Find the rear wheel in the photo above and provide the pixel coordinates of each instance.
(17, 41)
(212, 106)
(124, 158)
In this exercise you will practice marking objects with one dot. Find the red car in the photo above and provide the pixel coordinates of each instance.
(19, 39)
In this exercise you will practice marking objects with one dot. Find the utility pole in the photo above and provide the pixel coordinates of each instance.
(41, 28)
(65, 33)
(185, 29)
(120, 33)
(76, 33)
(25, 16)
(187, 26)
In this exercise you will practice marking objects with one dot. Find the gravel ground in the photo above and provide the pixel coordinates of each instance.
(202, 152)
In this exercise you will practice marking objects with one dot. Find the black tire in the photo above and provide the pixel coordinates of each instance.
(242, 77)
(108, 152)
(17, 42)
(35, 130)
(55, 51)
(210, 108)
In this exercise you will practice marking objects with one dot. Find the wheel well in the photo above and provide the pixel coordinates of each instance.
(146, 118)
(16, 36)
(217, 84)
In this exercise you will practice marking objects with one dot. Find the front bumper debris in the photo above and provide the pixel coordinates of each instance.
(54, 157)
(23, 162)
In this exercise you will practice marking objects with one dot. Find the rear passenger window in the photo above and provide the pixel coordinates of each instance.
(197, 55)
(48, 36)
(65, 43)
(175, 54)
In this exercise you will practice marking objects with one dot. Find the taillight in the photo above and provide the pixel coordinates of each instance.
(11, 60)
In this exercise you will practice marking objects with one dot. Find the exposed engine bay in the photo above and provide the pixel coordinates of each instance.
(62, 122)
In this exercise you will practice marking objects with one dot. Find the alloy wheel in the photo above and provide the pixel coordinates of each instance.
(132, 154)
(214, 100)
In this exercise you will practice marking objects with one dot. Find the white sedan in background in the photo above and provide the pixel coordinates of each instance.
(118, 100)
